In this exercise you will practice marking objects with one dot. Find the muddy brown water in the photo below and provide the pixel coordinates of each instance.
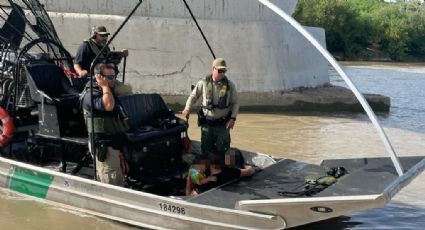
(305, 137)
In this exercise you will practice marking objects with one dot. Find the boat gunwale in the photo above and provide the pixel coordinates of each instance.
(402, 181)
(123, 202)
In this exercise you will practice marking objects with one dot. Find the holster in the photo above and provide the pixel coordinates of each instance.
(102, 149)
(202, 119)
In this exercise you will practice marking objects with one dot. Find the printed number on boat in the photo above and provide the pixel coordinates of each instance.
(172, 208)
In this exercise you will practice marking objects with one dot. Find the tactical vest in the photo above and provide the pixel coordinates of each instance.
(108, 125)
(94, 48)
(223, 102)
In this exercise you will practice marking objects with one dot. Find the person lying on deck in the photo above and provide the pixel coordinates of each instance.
(197, 175)
(225, 173)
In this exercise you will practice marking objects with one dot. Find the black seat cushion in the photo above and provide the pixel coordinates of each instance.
(51, 79)
(144, 134)
(149, 117)
(143, 109)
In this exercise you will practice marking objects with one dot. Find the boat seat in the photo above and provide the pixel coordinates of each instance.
(48, 82)
(146, 133)
(153, 149)
(149, 117)
(58, 103)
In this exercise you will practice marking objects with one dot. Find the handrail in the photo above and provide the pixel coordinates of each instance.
(199, 28)
(344, 76)
(404, 180)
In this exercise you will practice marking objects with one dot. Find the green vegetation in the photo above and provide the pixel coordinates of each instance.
(368, 29)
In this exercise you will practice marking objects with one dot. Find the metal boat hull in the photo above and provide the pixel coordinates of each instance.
(158, 212)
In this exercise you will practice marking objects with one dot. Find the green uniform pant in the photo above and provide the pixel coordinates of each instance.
(215, 138)
(109, 171)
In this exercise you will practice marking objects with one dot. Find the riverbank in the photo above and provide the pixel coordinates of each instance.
(328, 98)
(375, 54)
(379, 58)
(388, 65)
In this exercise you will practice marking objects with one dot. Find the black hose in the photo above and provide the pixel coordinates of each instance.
(199, 28)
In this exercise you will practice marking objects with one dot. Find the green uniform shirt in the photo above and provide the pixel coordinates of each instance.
(216, 113)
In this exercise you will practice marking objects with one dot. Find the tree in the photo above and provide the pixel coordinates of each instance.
(392, 24)
(345, 31)
(416, 30)
(352, 26)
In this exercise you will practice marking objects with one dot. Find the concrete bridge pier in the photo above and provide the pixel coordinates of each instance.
(269, 60)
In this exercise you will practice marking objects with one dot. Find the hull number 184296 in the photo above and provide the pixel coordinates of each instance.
(172, 208)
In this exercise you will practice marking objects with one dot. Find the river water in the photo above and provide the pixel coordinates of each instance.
(305, 137)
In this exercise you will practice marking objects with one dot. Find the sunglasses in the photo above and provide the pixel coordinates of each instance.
(221, 70)
(110, 77)
(104, 35)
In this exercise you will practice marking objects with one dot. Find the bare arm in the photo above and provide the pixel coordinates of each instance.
(107, 97)
(234, 102)
(208, 179)
(247, 171)
(196, 93)
(125, 52)
(235, 107)
(187, 189)
(81, 72)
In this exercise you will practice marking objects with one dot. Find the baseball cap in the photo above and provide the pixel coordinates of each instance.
(101, 30)
(219, 63)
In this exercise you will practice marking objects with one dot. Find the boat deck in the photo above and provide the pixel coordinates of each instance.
(289, 175)
(380, 172)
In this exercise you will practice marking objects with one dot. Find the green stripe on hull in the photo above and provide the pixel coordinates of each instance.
(29, 182)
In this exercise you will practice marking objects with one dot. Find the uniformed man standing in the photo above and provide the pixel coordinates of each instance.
(218, 110)
(86, 53)
(109, 126)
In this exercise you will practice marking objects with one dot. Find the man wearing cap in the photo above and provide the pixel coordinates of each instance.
(88, 51)
(109, 125)
(218, 110)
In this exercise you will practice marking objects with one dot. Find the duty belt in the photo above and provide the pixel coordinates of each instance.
(217, 122)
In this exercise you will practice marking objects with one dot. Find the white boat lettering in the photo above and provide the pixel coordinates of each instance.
(81, 187)
(322, 209)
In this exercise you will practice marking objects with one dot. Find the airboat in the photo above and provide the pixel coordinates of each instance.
(45, 153)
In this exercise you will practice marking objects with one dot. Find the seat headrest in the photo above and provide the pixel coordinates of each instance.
(48, 78)
(143, 109)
